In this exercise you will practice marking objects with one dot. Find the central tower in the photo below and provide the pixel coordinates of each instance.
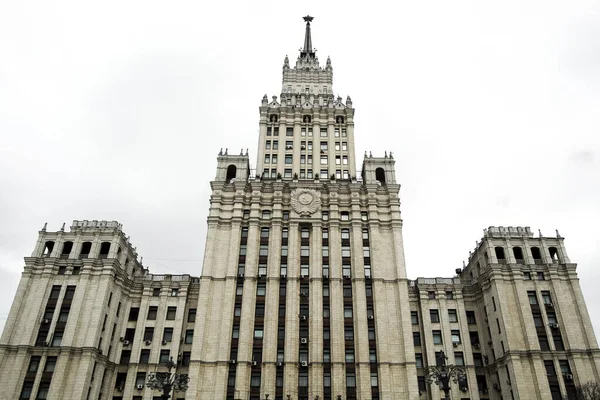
(304, 284)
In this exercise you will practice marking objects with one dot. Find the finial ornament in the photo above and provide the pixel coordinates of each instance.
(370, 155)
(63, 227)
(391, 155)
(246, 151)
(540, 232)
(221, 152)
(45, 226)
(385, 156)
(557, 234)
(226, 150)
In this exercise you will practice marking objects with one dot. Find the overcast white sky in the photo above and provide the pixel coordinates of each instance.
(117, 109)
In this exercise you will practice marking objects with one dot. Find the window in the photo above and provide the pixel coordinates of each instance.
(267, 159)
(414, 317)
(34, 364)
(326, 356)
(431, 295)
(191, 315)
(327, 379)
(268, 145)
(165, 356)
(288, 158)
(325, 216)
(526, 275)
(145, 356)
(171, 311)
(309, 144)
(152, 310)
(449, 295)
(289, 132)
(543, 339)
(345, 160)
(471, 317)
(258, 332)
(337, 146)
(263, 250)
(459, 358)
(174, 292)
(419, 360)
(546, 298)
(347, 311)
(43, 390)
(348, 333)
(275, 145)
(452, 316)
(372, 355)
(532, 298)
(168, 335)
(323, 146)
(350, 379)
(148, 333)
(323, 132)
(437, 337)
(455, 336)
(134, 313)
(261, 289)
(266, 214)
(344, 146)
(434, 316)
(540, 276)
(416, 338)
(374, 379)
(235, 332)
(537, 320)
(345, 216)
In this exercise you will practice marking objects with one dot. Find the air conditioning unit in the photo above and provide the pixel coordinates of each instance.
(304, 294)
(164, 342)
(325, 275)
(121, 339)
(455, 344)
(303, 340)
(125, 342)
(48, 344)
(484, 391)
(476, 345)
(140, 387)
(279, 364)
(568, 377)
(421, 392)
(497, 387)
(283, 275)
(550, 305)
(490, 342)
(303, 147)
(241, 275)
(367, 276)
(45, 321)
(463, 389)
(370, 316)
(304, 363)
(148, 342)
(303, 317)
(231, 361)
(119, 388)
(254, 363)
(346, 276)
(554, 326)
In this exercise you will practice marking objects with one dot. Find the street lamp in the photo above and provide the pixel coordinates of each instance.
(442, 374)
(167, 381)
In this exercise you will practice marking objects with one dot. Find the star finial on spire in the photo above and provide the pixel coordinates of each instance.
(307, 50)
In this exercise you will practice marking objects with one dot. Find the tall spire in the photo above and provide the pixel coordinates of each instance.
(307, 51)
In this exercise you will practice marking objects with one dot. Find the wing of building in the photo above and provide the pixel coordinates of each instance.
(304, 292)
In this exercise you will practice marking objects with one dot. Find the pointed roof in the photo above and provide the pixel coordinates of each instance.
(307, 50)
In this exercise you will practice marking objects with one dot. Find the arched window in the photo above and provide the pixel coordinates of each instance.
(66, 250)
(380, 175)
(231, 172)
(499, 253)
(48, 247)
(518, 253)
(553, 254)
(535, 253)
(104, 249)
(86, 247)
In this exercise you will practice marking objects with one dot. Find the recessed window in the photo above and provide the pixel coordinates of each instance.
(437, 337)
(171, 312)
(434, 316)
(345, 216)
(452, 315)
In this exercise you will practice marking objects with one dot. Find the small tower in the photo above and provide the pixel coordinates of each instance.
(379, 170)
(232, 167)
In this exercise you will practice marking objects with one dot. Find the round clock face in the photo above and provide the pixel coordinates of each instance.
(305, 198)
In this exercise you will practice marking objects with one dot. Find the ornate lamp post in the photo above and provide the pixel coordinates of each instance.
(442, 375)
(167, 381)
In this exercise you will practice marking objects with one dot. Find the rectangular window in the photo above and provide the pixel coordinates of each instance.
(350, 379)
(165, 356)
(416, 338)
(288, 158)
(540, 276)
(309, 145)
(323, 160)
(168, 335)
(145, 356)
(459, 358)
(275, 144)
(289, 131)
(419, 360)
(261, 289)
(323, 146)
(471, 317)
(171, 311)
(148, 333)
(268, 145)
(452, 316)
(414, 317)
(323, 132)
(434, 316)
(546, 298)
(347, 311)
(527, 275)
(191, 315)
(437, 337)
(455, 336)
(267, 159)
(532, 298)
(344, 146)
(152, 310)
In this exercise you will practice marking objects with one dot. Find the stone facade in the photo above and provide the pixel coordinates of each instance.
(304, 292)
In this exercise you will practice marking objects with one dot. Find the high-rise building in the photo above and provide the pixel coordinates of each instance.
(303, 293)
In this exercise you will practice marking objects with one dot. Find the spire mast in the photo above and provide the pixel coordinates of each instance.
(307, 51)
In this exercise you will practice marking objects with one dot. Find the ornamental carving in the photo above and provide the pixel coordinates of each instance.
(306, 201)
